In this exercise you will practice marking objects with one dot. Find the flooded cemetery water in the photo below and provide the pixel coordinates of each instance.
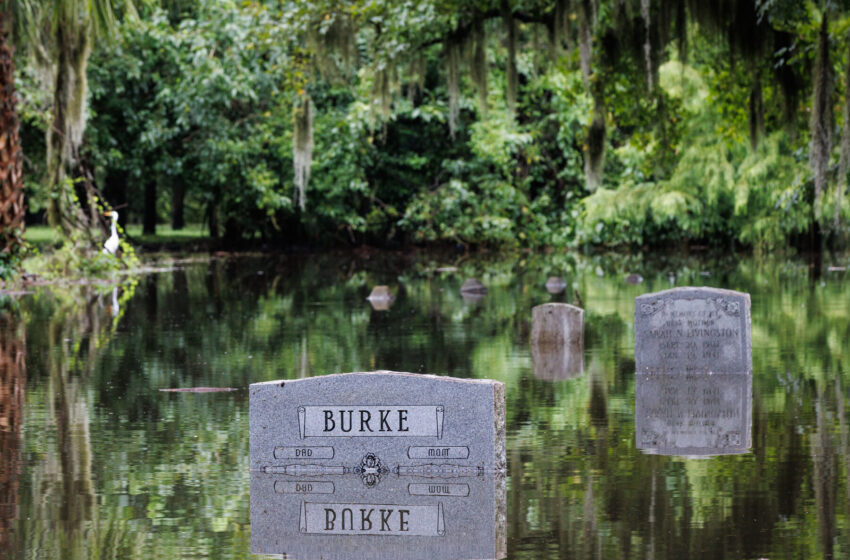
(98, 460)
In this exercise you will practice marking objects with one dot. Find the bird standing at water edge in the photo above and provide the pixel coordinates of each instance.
(111, 245)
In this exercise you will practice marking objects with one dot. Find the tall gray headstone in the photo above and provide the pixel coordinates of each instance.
(693, 330)
(693, 361)
(378, 465)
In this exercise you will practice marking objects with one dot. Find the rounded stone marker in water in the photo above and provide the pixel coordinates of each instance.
(473, 286)
(381, 298)
(557, 323)
(555, 285)
(557, 341)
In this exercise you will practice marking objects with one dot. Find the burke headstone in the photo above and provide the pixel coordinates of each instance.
(693, 330)
(407, 423)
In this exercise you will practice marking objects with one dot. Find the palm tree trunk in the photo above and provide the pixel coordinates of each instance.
(12, 208)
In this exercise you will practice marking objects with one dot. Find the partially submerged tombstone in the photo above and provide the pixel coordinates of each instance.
(381, 298)
(557, 341)
(328, 454)
(473, 286)
(693, 356)
(555, 285)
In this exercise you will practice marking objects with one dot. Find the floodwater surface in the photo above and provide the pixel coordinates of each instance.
(97, 460)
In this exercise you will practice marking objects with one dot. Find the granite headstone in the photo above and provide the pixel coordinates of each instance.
(404, 420)
(693, 330)
(378, 465)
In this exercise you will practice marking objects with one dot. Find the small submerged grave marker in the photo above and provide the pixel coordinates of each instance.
(557, 341)
(693, 361)
(381, 298)
(555, 285)
(473, 286)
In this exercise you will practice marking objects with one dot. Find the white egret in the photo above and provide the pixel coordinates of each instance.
(111, 245)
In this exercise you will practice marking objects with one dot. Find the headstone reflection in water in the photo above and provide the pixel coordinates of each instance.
(378, 465)
(557, 341)
(693, 356)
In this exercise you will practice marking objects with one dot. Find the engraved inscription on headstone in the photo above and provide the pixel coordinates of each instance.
(693, 330)
(557, 341)
(328, 424)
(693, 414)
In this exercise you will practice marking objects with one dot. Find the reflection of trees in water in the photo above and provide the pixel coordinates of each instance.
(64, 497)
(845, 450)
(825, 466)
(13, 375)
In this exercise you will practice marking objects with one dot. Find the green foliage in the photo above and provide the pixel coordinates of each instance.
(416, 134)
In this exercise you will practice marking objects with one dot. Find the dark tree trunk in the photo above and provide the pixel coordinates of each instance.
(115, 192)
(11, 184)
(149, 216)
(178, 194)
(212, 214)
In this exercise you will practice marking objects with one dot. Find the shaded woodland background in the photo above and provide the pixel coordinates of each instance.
(475, 123)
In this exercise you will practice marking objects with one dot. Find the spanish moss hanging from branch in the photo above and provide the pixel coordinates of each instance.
(844, 157)
(647, 43)
(756, 111)
(479, 64)
(453, 47)
(585, 43)
(511, 70)
(594, 151)
(821, 118)
(302, 149)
